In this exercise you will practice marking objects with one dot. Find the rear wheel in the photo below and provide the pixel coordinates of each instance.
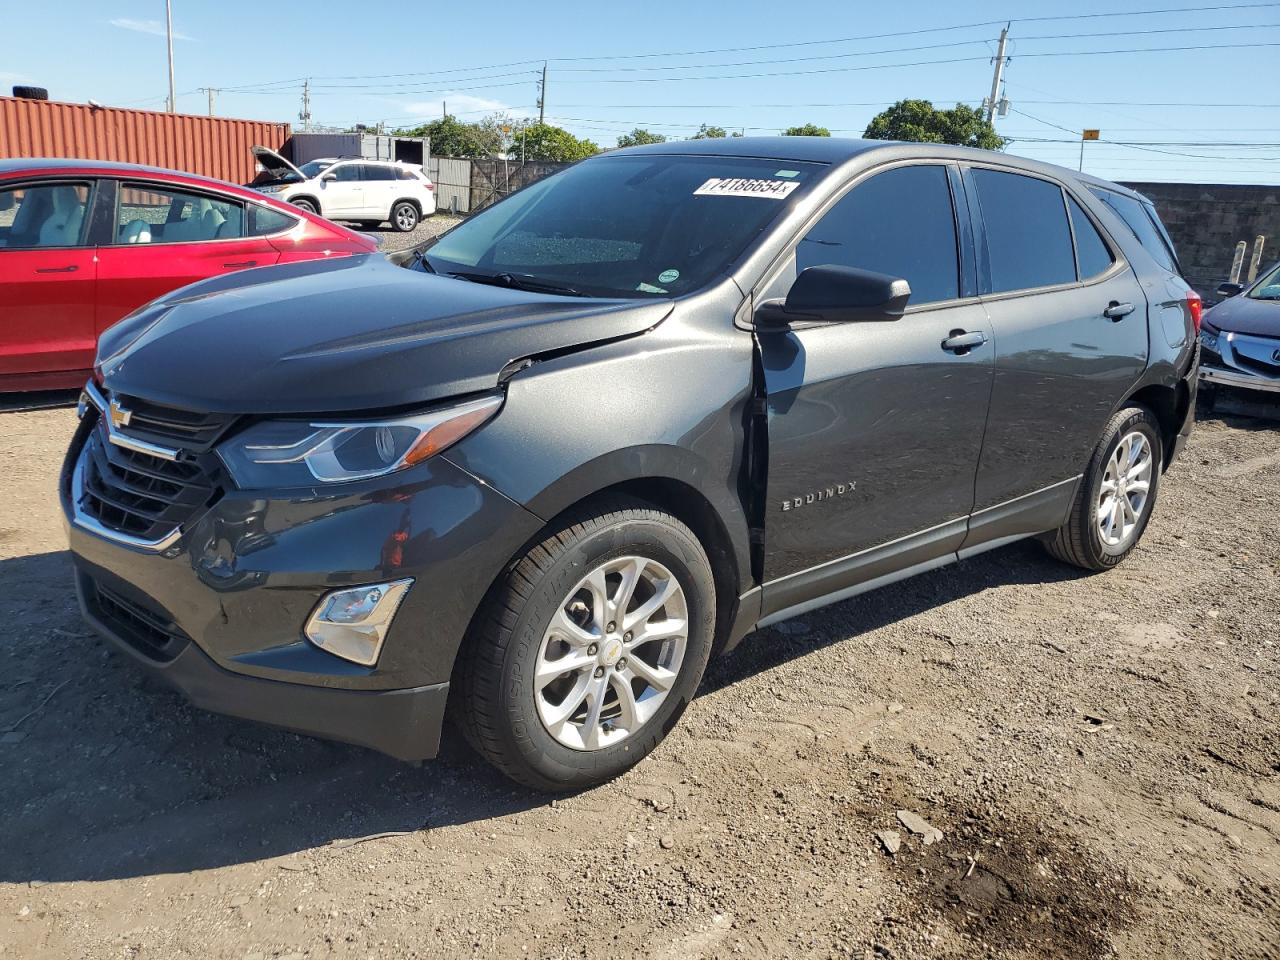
(305, 204)
(404, 216)
(588, 651)
(1116, 496)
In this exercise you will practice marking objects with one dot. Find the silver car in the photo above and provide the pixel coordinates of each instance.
(1240, 338)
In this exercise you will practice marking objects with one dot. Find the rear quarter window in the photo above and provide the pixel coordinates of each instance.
(1143, 225)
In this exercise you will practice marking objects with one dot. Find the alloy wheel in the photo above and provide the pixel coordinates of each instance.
(611, 654)
(1126, 488)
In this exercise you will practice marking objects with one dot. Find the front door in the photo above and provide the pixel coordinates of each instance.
(343, 196)
(875, 429)
(1070, 325)
(165, 238)
(47, 274)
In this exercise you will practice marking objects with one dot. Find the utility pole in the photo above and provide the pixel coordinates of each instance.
(168, 16)
(444, 109)
(993, 100)
(542, 95)
(305, 114)
(212, 93)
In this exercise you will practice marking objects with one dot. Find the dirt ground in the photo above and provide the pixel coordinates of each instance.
(1101, 754)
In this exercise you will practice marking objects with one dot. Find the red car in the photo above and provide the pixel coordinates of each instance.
(84, 242)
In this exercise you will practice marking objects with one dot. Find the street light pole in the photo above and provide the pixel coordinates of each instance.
(168, 16)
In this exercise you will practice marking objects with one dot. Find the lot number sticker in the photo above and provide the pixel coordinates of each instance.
(741, 187)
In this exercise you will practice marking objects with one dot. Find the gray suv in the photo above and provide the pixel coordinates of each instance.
(535, 473)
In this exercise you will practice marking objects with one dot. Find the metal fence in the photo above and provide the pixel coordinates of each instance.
(466, 186)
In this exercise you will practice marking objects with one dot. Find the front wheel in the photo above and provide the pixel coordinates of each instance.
(307, 205)
(404, 216)
(587, 652)
(1116, 496)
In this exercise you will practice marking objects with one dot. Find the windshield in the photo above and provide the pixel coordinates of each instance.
(1268, 288)
(314, 168)
(626, 226)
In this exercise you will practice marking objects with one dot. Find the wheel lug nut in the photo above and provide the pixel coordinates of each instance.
(593, 650)
(599, 672)
(626, 637)
(622, 665)
(611, 627)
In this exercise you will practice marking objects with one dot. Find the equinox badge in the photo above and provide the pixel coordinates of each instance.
(824, 494)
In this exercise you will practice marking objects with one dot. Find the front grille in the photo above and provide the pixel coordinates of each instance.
(172, 426)
(141, 495)
(148, 632)
(1257, 366)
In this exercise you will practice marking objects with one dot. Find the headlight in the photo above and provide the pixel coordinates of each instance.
(274, 188)
(297, 453)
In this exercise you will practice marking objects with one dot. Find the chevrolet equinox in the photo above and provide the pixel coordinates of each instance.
(534, 473)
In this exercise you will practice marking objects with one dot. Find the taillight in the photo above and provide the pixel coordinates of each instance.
(1195, 305)
(430, 186)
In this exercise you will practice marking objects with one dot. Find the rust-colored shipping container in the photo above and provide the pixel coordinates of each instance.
(209, 146)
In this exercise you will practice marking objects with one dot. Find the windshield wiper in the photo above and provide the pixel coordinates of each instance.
(420, 257)
(520, 281)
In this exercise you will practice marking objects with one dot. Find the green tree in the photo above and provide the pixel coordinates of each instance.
(921, 122)
(450, 137)
(640, 136)
(710, 133)
(542, 141)
(808, 130)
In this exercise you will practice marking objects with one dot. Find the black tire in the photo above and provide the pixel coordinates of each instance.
(405, 216)
(494, 698)
(1079, 541)
(31, 93)
(302, 203)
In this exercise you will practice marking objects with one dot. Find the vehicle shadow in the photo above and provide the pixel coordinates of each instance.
(109, 774)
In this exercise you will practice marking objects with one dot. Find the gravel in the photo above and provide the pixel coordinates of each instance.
(1100, 754)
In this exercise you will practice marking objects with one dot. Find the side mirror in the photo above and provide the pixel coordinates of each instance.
(329, 178)
(838, 295)
(1230, 289)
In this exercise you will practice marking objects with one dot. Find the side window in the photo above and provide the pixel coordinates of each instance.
(899, 222)
(44, 215)
(1132, 213)
(263, 221)
(1028, 240)
(379, 172)
(346, 173)
(152, 213)
(1092, 255)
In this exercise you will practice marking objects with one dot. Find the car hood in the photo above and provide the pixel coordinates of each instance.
(1241, 315)
(349, 334)
(276, 166)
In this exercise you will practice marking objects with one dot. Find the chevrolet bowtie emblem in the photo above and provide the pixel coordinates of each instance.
(120, 417)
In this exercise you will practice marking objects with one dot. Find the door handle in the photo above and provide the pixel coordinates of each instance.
(961, 343)
(70, 269)
(241, 263)
(1117, 310)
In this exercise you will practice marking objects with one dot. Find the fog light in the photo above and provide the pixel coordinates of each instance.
(352, 623)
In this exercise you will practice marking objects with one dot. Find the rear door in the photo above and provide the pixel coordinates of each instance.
(875, 428)
(1069, 319)
(47, 280)
(164, 237)
(381, 189)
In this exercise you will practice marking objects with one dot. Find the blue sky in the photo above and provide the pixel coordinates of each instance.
(767, 65)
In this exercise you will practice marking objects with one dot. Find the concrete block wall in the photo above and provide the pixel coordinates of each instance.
(1207, 220)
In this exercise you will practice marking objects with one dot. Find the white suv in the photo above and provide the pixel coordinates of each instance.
(367, 191)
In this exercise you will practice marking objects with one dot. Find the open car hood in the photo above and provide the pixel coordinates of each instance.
(275, 167)
(348, 334)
